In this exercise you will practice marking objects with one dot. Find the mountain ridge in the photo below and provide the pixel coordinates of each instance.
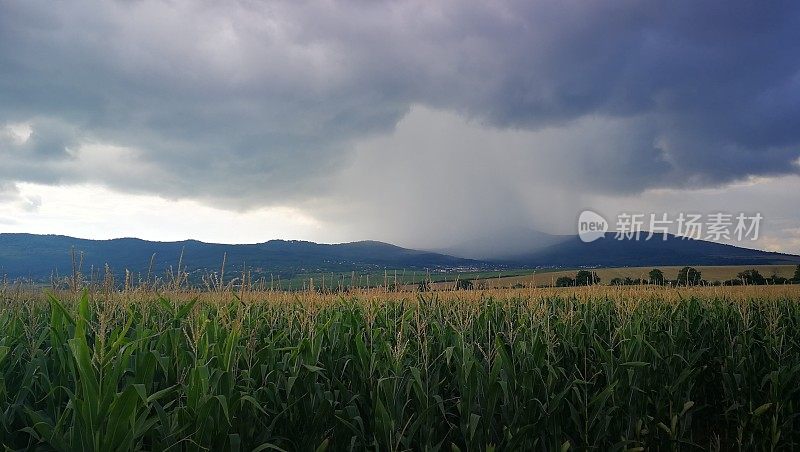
(40, 256)
(34, 256)
(676, 250)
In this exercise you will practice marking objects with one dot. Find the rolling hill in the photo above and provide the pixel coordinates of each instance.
(609, 252)
(40, 256)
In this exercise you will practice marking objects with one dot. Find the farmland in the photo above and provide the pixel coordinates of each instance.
(528, 369)
(512, 277)
(547, 277)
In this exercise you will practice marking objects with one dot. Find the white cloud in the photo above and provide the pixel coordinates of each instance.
(91, 211)
(17, 133)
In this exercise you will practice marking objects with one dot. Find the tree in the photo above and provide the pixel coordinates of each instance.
(565, 281)
(463, 284)
(751, 277)
(586, 278)
(796, 278)
(616, 282)
(656, 277)
(776, 279)
(689, 276)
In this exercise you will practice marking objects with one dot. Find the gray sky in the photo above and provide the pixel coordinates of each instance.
(417, 122)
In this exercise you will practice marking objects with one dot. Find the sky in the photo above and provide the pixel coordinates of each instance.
(425, 124)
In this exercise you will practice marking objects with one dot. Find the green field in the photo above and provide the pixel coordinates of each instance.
(545, 369)
(407, 279)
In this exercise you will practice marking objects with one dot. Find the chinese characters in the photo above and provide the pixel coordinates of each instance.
(714, 227)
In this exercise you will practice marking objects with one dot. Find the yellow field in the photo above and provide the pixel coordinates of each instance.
(311, 301)
(709, 273)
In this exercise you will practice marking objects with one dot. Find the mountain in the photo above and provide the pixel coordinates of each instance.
(609, 252)
(41, 256)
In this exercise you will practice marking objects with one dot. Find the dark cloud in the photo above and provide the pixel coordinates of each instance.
(245, 103)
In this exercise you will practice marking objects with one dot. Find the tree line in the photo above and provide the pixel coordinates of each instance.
(687, 276)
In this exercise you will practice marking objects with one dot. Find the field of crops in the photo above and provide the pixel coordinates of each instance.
(535, 369)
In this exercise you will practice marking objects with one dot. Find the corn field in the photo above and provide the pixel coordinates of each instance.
(608, 369)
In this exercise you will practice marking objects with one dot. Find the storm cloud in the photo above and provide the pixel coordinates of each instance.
(243, 104)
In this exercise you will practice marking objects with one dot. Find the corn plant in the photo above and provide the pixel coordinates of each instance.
(516, 370)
